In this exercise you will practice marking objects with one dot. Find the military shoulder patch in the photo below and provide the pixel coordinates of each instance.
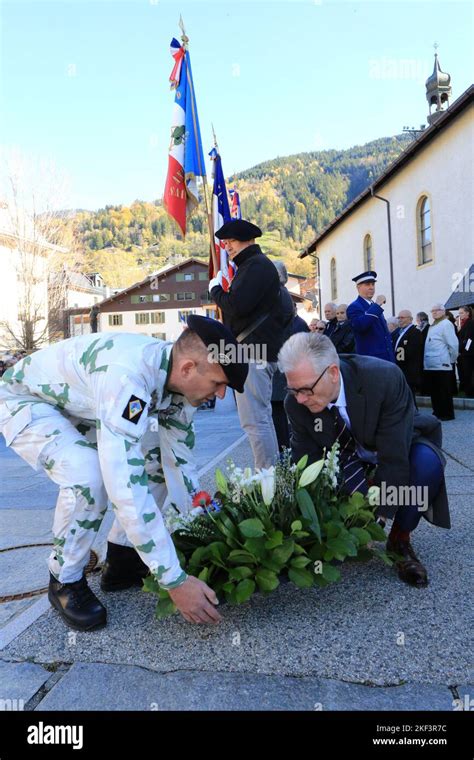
(134, 409)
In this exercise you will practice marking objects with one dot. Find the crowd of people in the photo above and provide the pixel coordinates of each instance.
(437, 357)
(122, 432)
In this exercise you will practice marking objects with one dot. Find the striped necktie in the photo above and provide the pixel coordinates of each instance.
(352, 467)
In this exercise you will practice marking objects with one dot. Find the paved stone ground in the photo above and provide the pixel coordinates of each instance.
(369, 642)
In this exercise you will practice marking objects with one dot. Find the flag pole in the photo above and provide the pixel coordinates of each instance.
(185, 40)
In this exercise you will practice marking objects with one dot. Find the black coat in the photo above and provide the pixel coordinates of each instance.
(409, 355)
(255, 291)
(382, 414)
(343, 338)
(330, 327)
(466, 333)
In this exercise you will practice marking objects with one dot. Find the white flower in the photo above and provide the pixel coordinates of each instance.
(196, 511)
(267, 484)
(310, 473)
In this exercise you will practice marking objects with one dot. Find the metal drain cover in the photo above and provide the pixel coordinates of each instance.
(24, 571)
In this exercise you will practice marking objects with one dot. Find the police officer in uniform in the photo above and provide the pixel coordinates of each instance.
(367, 319)
(109, 416)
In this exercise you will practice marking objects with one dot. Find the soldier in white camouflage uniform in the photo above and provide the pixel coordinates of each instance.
(109, 417)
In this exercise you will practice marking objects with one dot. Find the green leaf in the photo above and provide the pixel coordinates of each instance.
(300, 561)
(363, 536)
(240, 573)
(252, 528)
(320, 581)
(198, 556)
(341, 548)
(164, 608)
(301, 577)
(317, 551)
(221, 482)
(296, 525)
(239, 556)
(218, 550)
(330, 573)
(308, 511)
(244, 590)
(276, 539)
(151, 585)
(266, 580)
(283, 553)
(377, 532)
(357, 500)
(228, 587)
(302, 463)
(204, 574)
(256, 546)
(332, 528)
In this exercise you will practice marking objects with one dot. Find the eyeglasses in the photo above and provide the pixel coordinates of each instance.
(306, 391)
(319, 329)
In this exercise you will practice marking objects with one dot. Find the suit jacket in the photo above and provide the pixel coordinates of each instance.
(382, 414)
(330, 327)
(343, 338)
(371, 333)
(409, 355)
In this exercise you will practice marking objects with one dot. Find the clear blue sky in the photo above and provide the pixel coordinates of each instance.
(86, 83)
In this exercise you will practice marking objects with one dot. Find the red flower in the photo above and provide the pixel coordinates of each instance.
(202, 499)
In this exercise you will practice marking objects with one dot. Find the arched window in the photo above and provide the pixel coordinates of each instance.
(425, 248)
(368, 254)
(333, 280)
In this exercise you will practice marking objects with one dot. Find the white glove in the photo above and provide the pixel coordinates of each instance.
(215, 281)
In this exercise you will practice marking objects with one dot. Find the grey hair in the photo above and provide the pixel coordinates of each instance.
(439, 305)
(317, 349)
(282, 272)
(392, 321)
(330, 303)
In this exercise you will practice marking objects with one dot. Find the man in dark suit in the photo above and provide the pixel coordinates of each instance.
(371, 333)
(343, 337)
(366, 405)
(331, 319)
(409, 351)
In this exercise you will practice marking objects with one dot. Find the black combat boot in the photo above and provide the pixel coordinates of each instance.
(77, 604)
(123, 568)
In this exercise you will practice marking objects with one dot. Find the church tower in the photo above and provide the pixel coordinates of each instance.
(438, 91)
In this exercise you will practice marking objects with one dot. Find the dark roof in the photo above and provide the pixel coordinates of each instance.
(159, 273)
(407, 155)
(463, 294)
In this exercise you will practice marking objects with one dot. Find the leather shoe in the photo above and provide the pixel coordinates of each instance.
(77, 604)
(410, 569)
(123, 568)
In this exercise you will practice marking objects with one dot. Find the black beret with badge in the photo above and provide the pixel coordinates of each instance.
(238, 229)
(223, 349)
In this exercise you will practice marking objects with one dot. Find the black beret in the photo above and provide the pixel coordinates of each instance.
(223, 349)
(365, 277)
(238, 229)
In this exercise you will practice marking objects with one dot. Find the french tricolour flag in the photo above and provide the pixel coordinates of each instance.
(186, 159)
(220, 215)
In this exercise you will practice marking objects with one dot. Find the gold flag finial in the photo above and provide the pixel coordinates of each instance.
(184, 37)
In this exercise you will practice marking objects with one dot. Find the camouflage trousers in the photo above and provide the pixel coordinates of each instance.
(65, 447)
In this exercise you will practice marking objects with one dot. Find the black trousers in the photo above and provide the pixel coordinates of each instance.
(280, 422)
(441, 392)
(466, 374)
